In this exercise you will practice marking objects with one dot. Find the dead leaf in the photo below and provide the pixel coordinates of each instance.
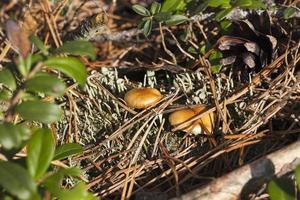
(18, 38)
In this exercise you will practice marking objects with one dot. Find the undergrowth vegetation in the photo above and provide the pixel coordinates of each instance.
(67, 132)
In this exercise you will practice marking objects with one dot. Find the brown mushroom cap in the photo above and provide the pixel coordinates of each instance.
(204, 124)
(142, 97)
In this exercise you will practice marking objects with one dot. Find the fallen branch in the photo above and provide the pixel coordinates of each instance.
(230, 186)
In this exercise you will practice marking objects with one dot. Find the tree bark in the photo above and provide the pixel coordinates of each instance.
(230, 186)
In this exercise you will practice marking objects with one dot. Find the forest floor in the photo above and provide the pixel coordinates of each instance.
(137, 153)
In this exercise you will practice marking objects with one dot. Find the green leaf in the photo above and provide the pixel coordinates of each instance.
(147, 27)
(39, 44)
(297, 176)
(8, 198)
(192, 50)
(46, 83)
(67, 150)
(40, 151)
(218, 3)
(215, 55)
(214, 59)
(141, 10)
(225, 25)
(222, 14)
(205, 48)
(53, 184)
(242, 3)
(12, 136)
(25, 64)
(16, 180)
(79, 48)
(35, 58)
(170, 5)
(40, 111)
(256, 4)
(216, 68)
(162, 16)
(281, 189)
(8, 79)
(155, 8)
(79, 192)
(141, 24)
(71, 66)
(5, 95)
(289, 12)
(176, 19)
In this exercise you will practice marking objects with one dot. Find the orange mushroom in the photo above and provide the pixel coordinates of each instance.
(202, 125)
(142, 98)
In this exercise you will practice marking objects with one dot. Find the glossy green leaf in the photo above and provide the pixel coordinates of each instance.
(12, 136)
(47, 84)
(67, 150)
(40, 151)
(53, 183)
(141, 10)
(181, 7)
(79, 48)
(256, 4)
(40, 111)
(8, 79)
(16, 180)
(216, 68)
(170, 5)
(155, 8)
(219, 3)
(39, 44)
(289, 12)
(71, 66)
(281, 189)
(222, 14)
(297, 176)
(176, 19)
(242, 3)
(147, 27)
(79, 192)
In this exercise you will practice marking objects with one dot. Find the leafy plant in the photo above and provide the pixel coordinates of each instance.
(30, 90)
(160, 14)
(284, 188)
(174, 12)
(229, 5)
(289, 12)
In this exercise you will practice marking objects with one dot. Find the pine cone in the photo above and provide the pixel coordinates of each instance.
(253, 44)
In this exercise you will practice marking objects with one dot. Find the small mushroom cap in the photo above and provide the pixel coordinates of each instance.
(181, 116)
(207, 120)
(204, 124)
(142, 97)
